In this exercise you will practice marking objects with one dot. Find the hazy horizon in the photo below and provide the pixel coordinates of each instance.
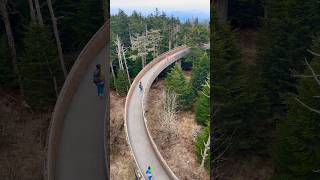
(189, 9)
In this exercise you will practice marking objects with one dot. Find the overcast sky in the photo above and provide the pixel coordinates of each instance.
(181, 8)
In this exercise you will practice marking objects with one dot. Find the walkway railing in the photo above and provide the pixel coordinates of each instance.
(184, 50)
(71, 84)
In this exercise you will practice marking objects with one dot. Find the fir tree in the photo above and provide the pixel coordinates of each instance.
(296, 151)
(39, 66)
(202, 107)
(200, 70)
(122, 85)
(176, 82)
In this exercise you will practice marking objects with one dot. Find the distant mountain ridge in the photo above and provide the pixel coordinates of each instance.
(182, 15)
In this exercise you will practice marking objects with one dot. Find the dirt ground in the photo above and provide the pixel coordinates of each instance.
(180, 152)
(23, 136)
(246, 168)
(120, 158)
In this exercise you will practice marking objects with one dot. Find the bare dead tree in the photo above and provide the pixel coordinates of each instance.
(118, 49)
(11, 43)
(112, 72)
(168, 114)
(39, 14)
(57, 37)
(204, 153)
(125, 64)
(154, 39)
(316, 78)
(139, 43)
(32, 12)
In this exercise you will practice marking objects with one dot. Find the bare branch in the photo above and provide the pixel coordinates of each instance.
(313, 73)
(306, 106)
(304, 76)
(313, 53)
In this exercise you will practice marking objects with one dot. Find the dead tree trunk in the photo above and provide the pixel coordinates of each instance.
(56, 35)
(32, 12)
(204, 154)
(113, 74)
(11, 43)
(118, 42)
(125, 64)
(222, 10)
(39, 14)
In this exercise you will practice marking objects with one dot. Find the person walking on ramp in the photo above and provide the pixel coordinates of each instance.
(98, 79)
(149, 173)
(140, 86)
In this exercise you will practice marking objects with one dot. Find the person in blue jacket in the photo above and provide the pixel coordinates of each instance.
(149, 173)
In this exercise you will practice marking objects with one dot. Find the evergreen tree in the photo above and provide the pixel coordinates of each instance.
(296, 151)
(226, 82)
(122, 85)
(202, 107)
(176, 82)
(200, 71)
(39, 66)
(89, 18)
(286, 34)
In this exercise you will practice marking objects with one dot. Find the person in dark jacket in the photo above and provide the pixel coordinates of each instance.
(140, 86)
(98, 80)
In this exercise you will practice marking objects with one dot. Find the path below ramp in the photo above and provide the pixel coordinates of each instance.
(81, 155)
(141, 145)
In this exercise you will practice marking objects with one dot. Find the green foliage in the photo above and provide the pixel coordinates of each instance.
(202, 107)
(112, 83)
(122, 84)
(198, 36)
(89, 18)
(176, 82)
(201, 139)
(296, 151)
(245, 13)
(241, 104)
(200, 70)
(40, 57)
(286, 34)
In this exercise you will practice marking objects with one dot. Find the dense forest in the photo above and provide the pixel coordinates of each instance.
(40, 40)
(268, 108)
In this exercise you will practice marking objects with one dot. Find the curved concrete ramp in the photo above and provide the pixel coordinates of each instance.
(76, 144)
(142, 146)
(81, 154)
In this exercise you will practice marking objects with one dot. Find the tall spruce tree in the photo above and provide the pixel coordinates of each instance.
(122, 85)
(286, 33)
(202, 107)
(39, 66)
(296, 152)
(177, 83)
(200, 70)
